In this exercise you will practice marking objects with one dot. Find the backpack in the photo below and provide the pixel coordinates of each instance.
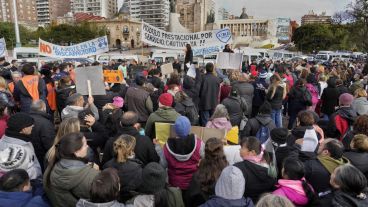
(263, 134)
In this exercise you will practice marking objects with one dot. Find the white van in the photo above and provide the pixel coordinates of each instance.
(282, 55)
(21, 53)
(107, 57)
(167, 56)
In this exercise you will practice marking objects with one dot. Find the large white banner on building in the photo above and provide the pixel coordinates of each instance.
(2, 47)
(93, 47)
(160, 38)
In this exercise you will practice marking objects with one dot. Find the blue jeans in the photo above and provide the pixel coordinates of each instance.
(205, 116)
(276, 117)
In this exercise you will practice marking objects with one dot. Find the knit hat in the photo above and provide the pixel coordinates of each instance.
(310, 141)
(166, 99)
(279, 135)
(19, 121)
(118, 102)
(231, 184)
(13, 157)
(263, 74)
(182, 127)
(346, 99)
(153, 178)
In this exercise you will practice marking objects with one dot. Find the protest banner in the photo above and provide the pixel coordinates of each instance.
(208, 50)
(2, 47)
(113, 76)
(85, 49)
(167, 69)
(160, 38)
(227, 60)
(92, 74)
(166, 130)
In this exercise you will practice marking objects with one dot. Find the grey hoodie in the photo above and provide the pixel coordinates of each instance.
(360, 105)
(73, 111)
(85, 203)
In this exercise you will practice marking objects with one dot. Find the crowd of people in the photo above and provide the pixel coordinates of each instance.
(302, 136)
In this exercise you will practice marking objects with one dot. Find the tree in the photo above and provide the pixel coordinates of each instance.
(359, 13)
(313, 37)
(8, 32)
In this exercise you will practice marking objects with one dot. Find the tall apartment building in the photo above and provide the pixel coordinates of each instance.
(49, 10)
(103, 8)
(154, 12)
(26, 10)
(312, 18)
(222, 14)
(194, 13)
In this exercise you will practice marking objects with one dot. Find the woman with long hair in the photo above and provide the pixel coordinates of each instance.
(204, 180)
(293, 184)
(275, 95)
(129, 169)
(188, 57)
(256, 168)
(68, 177)
(299, 99)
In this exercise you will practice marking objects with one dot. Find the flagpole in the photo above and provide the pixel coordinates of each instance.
(16, 25)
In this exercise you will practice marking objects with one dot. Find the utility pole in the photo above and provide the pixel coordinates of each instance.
(16, 25)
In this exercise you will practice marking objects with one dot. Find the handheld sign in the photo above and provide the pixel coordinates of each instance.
(229, 60)
(113, 76)
(167, 69)
(93, 75)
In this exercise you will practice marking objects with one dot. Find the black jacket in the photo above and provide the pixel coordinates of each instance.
(343, 199)
(96, 136)
(191, 87)
(144, 149)
(130, 174)
(254, 124)
(62, 95)
(276, 100)
(257, 180)
(235, 108)
(317, 175)
(209, 92)
(194, 196)
(188, 109)
(43, 134)
(296, 100)
(359, 160)
(342, 89)
(330, 99)
(346, 113)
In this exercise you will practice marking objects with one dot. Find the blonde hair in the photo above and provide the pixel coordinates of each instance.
(67, 126)
(124, 147)
(360, 92)
(3, 83)
(271, 200)
(360, 142)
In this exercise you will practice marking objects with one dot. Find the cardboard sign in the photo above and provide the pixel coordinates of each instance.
(113, 76)
(192, 71)
(227, 60)
(166, 130)
(94, 75)
(167, 69)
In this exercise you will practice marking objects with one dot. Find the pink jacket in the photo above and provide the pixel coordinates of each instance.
(3, 125)
(293, 190)
(314, 92)
(219, 123)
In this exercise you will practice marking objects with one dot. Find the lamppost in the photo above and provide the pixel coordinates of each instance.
(16, 25)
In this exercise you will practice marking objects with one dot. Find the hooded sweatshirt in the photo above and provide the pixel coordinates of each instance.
(293, 190)
(181, 157)
(360, 105)
(165, 115)
(86, 203)
(219, 123)
(73, 111)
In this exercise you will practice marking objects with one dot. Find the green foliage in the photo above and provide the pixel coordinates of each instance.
(58, 34)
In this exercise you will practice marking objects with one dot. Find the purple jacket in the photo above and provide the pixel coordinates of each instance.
(293, 190)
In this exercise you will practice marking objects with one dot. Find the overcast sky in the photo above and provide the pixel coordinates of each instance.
(294, 9)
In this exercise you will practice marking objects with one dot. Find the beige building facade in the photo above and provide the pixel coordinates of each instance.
(194, 13)
(26, 9)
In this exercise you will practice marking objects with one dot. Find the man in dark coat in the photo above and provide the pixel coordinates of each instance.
(208, 94)
(191, 87)
(262, 119)
(43, 132)
(144, 149)
(236, 107)
(318, 170)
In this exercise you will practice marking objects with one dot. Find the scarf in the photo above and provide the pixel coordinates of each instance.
(255, 159)
(293, 184)
(330, 163)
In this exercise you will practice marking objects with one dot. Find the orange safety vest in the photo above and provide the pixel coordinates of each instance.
(30, 82)
(11, 87)
(51, 96)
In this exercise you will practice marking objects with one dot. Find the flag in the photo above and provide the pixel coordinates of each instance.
(2, 47)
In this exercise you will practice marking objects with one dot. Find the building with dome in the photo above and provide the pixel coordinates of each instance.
(122, 31)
